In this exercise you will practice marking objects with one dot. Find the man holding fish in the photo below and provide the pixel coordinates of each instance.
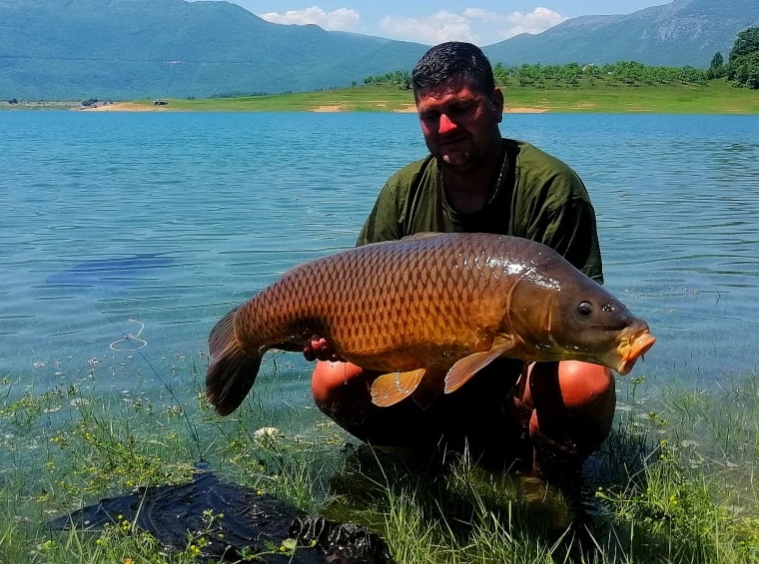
(470, 314)
(473, 180)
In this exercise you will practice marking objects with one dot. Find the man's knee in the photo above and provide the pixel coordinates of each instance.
(333, 382)
(584, 385)
(572, 399)
(568, 385)
(341, 391)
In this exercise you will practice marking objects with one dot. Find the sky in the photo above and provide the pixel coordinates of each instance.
(483, 22)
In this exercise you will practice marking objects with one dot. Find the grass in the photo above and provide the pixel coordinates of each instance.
(675, 482)
(715, 97)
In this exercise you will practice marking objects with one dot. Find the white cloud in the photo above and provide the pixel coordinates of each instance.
(443, 26)
(473, 24)
(342, 19)
(506, 25)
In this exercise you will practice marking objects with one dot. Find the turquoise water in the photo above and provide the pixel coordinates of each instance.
(124, 237)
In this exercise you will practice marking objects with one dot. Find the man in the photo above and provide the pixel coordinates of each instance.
(548, 414)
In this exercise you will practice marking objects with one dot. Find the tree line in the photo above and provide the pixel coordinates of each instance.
(742, 70)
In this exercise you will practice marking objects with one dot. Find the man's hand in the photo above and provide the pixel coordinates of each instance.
(319, 349)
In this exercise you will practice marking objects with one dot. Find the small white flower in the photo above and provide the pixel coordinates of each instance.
(266, 433)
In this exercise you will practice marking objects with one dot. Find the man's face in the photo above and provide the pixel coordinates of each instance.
(460, 125)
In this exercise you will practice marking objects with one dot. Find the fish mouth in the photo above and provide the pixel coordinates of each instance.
(632, 348)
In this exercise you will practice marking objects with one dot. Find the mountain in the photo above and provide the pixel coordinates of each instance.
(76, 49)
(685, 32)
(121, 49)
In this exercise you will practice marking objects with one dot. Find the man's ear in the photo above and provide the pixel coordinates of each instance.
(497, 101)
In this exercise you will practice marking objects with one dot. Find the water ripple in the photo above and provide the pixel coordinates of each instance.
(237, 199)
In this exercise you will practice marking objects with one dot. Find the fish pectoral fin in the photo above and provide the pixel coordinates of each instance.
(388, 389)
(465, 368)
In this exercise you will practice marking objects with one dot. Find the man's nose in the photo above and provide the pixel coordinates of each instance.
(446, 124)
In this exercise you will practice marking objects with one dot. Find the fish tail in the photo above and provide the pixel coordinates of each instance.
(232, 371)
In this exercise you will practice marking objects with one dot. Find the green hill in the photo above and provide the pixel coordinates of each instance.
(71, 49)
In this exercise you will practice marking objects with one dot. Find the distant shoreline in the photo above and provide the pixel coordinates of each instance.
(717, 97)
(126, 107)
(135, 107)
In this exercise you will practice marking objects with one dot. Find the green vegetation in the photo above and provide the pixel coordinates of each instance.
(603, 95)
(746, 42)
(401, 79)
(675, 482)
(743, 68)
(625, 73)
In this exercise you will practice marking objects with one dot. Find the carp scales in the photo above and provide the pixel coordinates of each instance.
(427, 312)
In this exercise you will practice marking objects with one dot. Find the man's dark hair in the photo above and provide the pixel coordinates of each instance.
(453, 60)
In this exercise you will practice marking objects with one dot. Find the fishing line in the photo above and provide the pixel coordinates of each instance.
(136, 343)
(131, 339)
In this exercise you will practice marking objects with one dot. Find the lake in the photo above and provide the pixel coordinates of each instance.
(125, 236)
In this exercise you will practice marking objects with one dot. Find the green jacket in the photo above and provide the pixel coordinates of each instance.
(538, 197)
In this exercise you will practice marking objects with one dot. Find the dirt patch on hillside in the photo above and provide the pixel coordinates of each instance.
(127, 107)
(411, 108)
(407, 109)
(525, 110)
(335, 108)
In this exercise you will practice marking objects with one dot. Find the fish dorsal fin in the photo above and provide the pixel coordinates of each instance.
(465, 368)
(422, 235)
(393, 387)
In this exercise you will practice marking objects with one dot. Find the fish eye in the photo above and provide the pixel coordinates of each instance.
(585, 308)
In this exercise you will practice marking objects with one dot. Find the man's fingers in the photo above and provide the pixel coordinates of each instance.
(319, 349)
(334, 357)
(308, 352)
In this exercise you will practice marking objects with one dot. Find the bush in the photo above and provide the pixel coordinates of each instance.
(744, 71)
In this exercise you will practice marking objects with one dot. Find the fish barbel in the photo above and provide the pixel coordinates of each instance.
(427, 312)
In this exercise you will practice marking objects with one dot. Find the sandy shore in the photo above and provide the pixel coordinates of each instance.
(525, 110)
(126, 107)
(410, 108)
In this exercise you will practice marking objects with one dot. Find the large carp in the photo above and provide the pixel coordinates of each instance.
(427, 312)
